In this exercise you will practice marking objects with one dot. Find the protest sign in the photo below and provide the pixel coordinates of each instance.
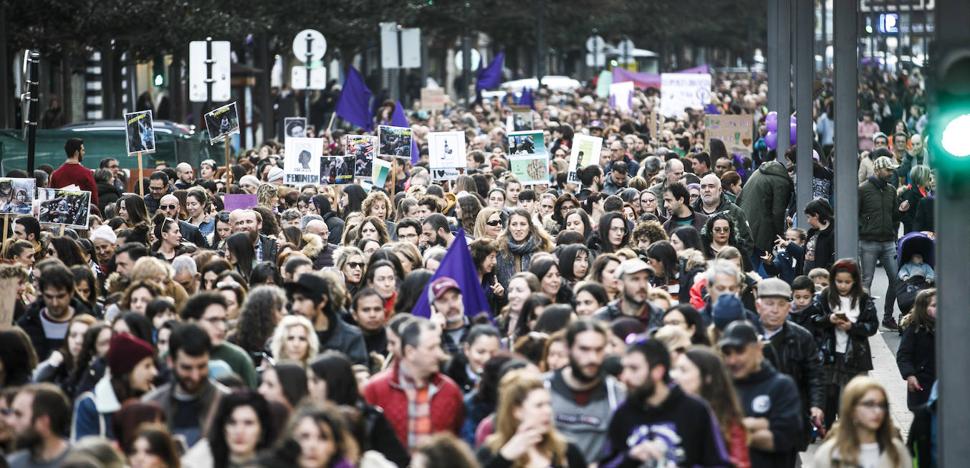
(446, 150)
(448, 173)
(519, 120)
(294, 127)
(382, 170)
(395, 141)
(621, 96)
(527, 142)
(736, 131)
(585, 152)
(528, 158)
(336, 170)
(680, 91)
(240, 201)
(139, 132)
(301, 161)
(432, 99)
(61, 206)
(17, 195)
(364, 148)
(222, 122)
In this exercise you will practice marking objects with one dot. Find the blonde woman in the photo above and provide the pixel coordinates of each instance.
(865, 434)
(525, 433)
(295, 340)
(488, 223)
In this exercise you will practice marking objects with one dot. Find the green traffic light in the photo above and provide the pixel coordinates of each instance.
(956, 136)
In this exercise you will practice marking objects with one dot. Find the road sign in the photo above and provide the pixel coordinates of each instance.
(596, 59)
(476, 60)
(318, 45)
(221, 66)
(318, 77)
(405, 53)
(625, 48)
(595, 44)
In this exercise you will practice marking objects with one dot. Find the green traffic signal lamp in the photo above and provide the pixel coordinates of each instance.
(948, 139)
(955, 138)
(158, 71)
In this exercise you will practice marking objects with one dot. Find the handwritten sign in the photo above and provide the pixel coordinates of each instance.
(680, 91)
(736, 131)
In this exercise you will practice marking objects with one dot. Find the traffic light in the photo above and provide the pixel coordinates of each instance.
(158, 71)
(949, 117)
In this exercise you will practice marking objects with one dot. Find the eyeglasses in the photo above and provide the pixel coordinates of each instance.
(355, 264)
(169, 207)
(494, 222)
(721, 229)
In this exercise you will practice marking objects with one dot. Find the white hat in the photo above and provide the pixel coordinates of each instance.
(104, 232)
(275, 173)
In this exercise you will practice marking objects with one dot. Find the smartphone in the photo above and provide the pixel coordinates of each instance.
(842, 316)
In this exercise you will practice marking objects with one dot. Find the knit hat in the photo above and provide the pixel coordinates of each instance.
(125, 352)
(727, 309)
(104, 232)
(275, 173)
(884, 162)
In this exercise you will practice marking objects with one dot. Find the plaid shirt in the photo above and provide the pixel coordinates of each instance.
(419, 410)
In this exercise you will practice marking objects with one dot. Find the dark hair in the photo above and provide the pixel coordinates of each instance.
(528, 313)
(584, 217)
(679, 191)
(240, 245)
(604, 231)
(554, 318)
(803, 283)
(480, 250)
(689, 236)
(597, 290)
(692, 318)
(355, 198)
(480, 330)
(336, 369)
(265, 273)
(216, 265)
(56, 275)
(655, 353)
(411, 333)
(372, 270)
(190, 339)
(411, 289)
(88, 352)
(50, 401)
(160, 443)
(227, 405)
(73, 145)
(584, 325)
(292, 379)
(294, 262)
(31, 226)
(664, 252)
(195, 307)
(588, 173)
(437, 221)
(406, 223)
(362, 294)
(157, 306)
(17, 356)
(68, 251)
(138, 325)
(567, 260)
(844, 265)
(84, 273)
(821, 208)
(136, 208)
(159, 175)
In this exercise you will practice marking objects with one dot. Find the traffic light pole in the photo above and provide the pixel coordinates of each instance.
(782, 68)
(804, 84)
(33, 103)
(846, 66)
(952, 250)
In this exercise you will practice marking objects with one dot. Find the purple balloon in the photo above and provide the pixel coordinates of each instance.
(771, 121)
(793, 132)
(771, 140)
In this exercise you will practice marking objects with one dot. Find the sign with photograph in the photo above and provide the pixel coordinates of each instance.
(61, 206)
(736, 131)
(395, 141)
(337, 170)
(528, 158)
(518, 121)
(17, 195)
(364, 149)
(527, 142)
(301, 161)
(294, 127)
(139, 132)
(222, 122)
(446, 150)
(585, 152)
(680, 91)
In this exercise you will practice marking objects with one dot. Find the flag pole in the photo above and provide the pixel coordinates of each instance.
(228, 168)
(141, 176)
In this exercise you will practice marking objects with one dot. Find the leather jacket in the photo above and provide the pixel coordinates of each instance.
(858, 355)
(797, 355)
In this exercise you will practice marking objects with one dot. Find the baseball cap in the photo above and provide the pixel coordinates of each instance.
(774, 287)
(310, 285)
(596, 124)
(738, 334)
(884, 162)
(442, 285)
(631, 266)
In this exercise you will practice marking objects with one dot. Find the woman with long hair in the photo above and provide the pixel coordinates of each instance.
(240, 253)
(521, 239)
(315, 438)
(845, 320)
(331, 380)
(86, 288)
(478, 346)
(17, 357)
(351, 199)
(90, 360)
(719, 232)
(66, 250)
(138, 294)
(210, 273)
(221, 231)
(168, 237)
(295, 340)
(350, 262)
(133, 210)
(484, 254)
(602, 273)
(466, 210)
(551, 284)
(521, 287)
(686, 237)
(496, 198)
(153, 448)
(59, 366)
(284, 383)
(590, 297)
(865, 434)
(260, 313)
(577, 220)
(525, 433)
(241, 426)
(613, 233)
(382, 276)
(532, 309)
(373, 228)
(662, 257)
(917, 349)
(488, 223)
(701, 373)
(574, 263)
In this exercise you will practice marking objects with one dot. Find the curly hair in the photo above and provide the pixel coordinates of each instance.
(651, 230)
(373, 198)
(256, 316)
(150, 285)
(279, 337)
(707, 233)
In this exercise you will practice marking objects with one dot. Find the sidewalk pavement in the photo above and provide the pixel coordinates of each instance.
(884, 370)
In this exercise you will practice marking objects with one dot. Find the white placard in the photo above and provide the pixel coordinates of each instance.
(318, 77)
(221, 70)
(679, 91)
(301, 161)
(585, 152)
(446, 150)
(621, 96)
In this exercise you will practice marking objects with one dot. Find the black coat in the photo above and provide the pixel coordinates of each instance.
(191, 233)
(917, 357)
(107, 193)
(796, 356)
(821, 247)
(858, 355)
(32, 324)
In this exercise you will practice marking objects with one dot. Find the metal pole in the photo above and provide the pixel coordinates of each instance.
(784, 70)
(952, 256)
(771, 67)
(208, 75)
(596, 54)
(306, 91)
(466, 66)
(400, 66)
(541, 41)
(845, 18)
(804, 81)
(5, 101)
(33, 80)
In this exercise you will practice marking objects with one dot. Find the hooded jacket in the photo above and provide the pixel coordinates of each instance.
(765, 200)
(770, 394)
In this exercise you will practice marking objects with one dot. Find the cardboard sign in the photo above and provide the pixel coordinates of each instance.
(139, 132)
(621, 96)
(528, 158)
(680, 91)
(222, 122)
(736, 131)
(337, 170)
(241, 201)
(395, 141)
(301, 161)
(446, 150)
(17, 195)
(585, 152)
(61, 206)
(432, 99)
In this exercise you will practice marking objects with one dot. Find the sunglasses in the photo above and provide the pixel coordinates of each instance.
(355, 265)
(169, 207)
(494, 222)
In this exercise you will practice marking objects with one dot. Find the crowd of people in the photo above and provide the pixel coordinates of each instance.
(662, 310)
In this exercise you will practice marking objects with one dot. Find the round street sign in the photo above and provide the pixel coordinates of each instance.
(318, 45)
(476, 60)
(595, 43)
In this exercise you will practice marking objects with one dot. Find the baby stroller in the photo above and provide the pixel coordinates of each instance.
(913, 243)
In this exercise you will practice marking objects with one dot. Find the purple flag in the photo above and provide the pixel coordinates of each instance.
(491, 76)
(354, 103)
(400, 119)
(459, 266)
(527, 99)
(239, 201)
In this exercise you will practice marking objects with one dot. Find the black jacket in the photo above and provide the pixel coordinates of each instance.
(858, 355)
(269, 249)
(344, 337)
(772, 395)
(191, 233)
(917, 357)
(878, 211)
(489, 459)
(797, 357)
(336, 227)
(820, 248)
(32, 324)
(107, 194)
